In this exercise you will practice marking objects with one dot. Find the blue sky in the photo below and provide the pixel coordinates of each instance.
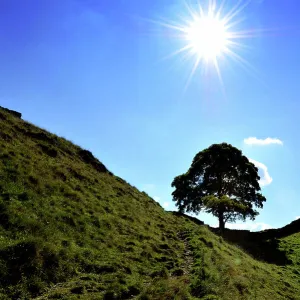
(94, 72)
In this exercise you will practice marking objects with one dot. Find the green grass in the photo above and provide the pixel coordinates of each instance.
(70, 229)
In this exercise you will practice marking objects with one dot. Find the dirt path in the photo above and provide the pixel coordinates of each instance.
(188, 256)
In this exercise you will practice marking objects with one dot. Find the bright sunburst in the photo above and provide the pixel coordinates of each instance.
(209, 35)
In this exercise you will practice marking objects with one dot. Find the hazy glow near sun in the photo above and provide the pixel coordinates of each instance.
(207, 37)
(209, 34)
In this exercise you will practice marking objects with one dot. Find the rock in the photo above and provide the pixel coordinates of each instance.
(89, 158)
(12, 112)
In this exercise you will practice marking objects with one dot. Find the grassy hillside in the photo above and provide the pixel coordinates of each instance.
(70, 229)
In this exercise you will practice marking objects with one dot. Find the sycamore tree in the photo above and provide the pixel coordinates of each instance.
(221, 181)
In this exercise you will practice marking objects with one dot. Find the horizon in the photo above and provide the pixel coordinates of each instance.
(97, 74)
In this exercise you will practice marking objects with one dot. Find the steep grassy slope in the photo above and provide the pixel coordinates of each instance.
(70, 229)
(291, 245)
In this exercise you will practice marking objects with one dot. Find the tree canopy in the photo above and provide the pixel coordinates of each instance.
(221, 181)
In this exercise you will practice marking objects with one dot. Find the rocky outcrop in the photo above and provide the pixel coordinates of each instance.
(12, 112)
(89, 158)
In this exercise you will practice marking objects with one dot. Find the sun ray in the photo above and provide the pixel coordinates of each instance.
(237, 9)
(216, 64)
(221, 7)
(192, 73)
(210, 31)
(179, 51)
(234, 23)
(209, 34)
(243, 63)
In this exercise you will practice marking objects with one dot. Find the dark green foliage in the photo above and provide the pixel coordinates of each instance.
(221, 181)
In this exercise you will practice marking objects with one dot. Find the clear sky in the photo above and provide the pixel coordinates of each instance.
(95, 72)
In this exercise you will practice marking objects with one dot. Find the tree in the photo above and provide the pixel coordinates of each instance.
(221, 181)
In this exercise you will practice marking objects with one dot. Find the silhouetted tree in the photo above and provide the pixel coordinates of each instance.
(221, 181)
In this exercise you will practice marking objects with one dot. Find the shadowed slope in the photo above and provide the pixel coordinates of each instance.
(263, 245)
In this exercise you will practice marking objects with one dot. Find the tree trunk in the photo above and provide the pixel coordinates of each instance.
(221, 222)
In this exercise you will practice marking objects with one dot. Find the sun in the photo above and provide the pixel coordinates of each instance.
(207, 37)
(210, 34)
